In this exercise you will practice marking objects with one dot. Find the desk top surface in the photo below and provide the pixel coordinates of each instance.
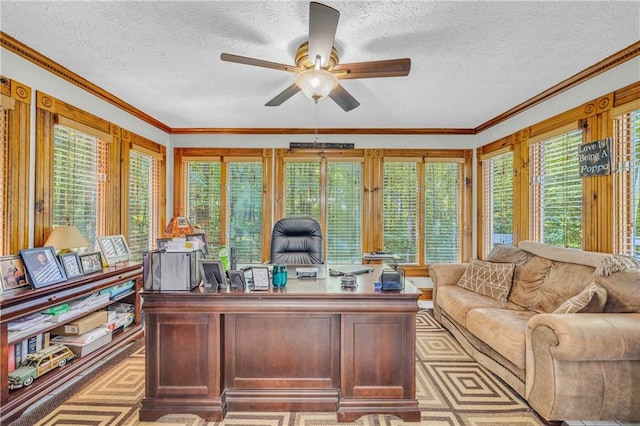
(329, 286)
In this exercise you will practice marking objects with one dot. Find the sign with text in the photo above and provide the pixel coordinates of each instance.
(595, 158)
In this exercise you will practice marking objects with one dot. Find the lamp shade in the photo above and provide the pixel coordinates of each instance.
(316, 84)
(65, 238)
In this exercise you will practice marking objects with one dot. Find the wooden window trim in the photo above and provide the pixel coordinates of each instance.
(49, 110)
(16, 233)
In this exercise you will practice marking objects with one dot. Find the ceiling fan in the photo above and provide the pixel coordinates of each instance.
(317, 68)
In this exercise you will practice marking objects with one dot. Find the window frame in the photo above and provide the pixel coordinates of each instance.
(16, 153)
(134, 142)
(184, 155)
(49, 112)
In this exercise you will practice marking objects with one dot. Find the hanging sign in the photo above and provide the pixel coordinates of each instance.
(595, 158)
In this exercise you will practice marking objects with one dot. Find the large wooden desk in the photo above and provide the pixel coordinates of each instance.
(310, 347)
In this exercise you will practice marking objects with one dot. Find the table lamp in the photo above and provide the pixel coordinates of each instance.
(65, 238)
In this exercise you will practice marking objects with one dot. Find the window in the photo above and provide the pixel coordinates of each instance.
(339, 182)
(302, 189)
(80, 176)
(556, 190)
(497, 201)
(442, 236)
(245, 210)
(344, 202)
(424, 211)
(145, 205)
(401, 209)
(224, 199)
(204, 191)
(627, 183)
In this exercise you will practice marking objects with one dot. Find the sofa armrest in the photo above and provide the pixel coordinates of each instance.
(444, 274)
(583, 366)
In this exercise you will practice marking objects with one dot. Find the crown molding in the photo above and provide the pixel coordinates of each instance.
(594, 70)
(37, 58)
(53, 67)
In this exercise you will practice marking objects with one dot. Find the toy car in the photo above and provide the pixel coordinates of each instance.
(38, 364)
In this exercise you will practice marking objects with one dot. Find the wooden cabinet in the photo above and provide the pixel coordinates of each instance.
(27, 301)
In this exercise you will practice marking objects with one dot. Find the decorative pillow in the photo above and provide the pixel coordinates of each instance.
(591, 299)
(488, 278)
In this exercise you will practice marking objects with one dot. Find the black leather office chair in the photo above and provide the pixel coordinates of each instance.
(296, 241)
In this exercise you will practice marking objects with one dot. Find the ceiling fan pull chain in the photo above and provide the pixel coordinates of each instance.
(316, 118)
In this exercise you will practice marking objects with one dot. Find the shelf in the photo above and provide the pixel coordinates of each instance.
(28, 301)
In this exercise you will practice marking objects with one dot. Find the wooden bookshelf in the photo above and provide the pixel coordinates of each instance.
(19, 303)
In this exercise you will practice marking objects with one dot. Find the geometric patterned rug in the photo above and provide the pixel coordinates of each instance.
(451, 388)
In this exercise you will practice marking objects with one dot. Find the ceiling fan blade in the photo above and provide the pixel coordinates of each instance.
(343, 98)
(388, 68)
(257, 62)
(323, 23)
(283, 96)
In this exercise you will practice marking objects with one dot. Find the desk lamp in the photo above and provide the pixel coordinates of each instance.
(65, 238)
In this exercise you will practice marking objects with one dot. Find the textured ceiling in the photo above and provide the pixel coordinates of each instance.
(471, 61)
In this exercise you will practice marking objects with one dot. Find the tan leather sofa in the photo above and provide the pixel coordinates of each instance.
(568, 366)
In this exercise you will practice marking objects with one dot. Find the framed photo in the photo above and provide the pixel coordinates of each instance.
(202, 241)
(212, 273)
(42, 266)
(14, 274)
(260, 278)
(161, 243)
(91, 262)
(182, 222)
(122, 248)
(114, 248)
(71, 264)
(236, 279)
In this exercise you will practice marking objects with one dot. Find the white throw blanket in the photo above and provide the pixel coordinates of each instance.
(604, 263)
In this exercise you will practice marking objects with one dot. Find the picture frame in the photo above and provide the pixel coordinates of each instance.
(71, 264)
(91, 262)
(161, 243)
(236, 279)
(260, 277)
(203, 240)
(43, 266)
(114, 249)
(212, 273)
(14, 274)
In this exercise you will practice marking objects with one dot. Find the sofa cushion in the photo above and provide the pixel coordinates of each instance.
(545, 284)
(488, 278)
(623, 291)
(502, 329)
(591, 299)
(457, 301)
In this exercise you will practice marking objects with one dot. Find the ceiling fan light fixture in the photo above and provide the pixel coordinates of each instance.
(316, 84)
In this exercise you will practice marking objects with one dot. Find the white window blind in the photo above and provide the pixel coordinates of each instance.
(400, 209)
(442, 212)
(302, 186)
(344, 202)
(144, 199)
(497, 201)
(245, 210)
(627, 183)
(556, 190)
(203, 200)
(80, 176)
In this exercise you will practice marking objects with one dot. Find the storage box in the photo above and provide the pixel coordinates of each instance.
(82, 325)
(85, 343)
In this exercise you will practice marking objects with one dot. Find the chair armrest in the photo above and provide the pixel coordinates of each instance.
(583, 366)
